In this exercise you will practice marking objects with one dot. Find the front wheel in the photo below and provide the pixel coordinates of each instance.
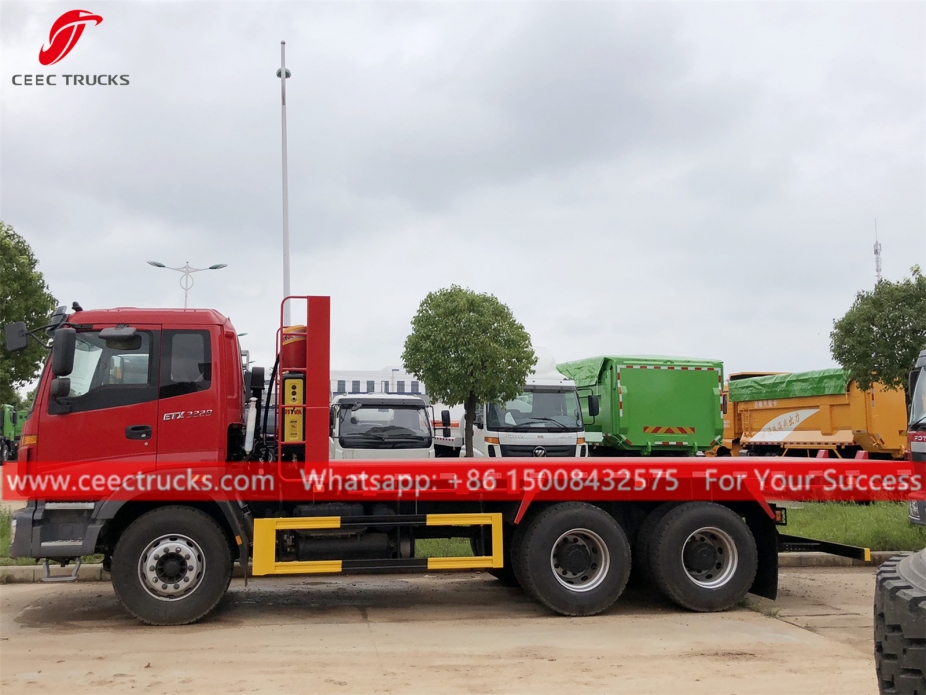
(703, 556)
(574, 558)
(171, 566)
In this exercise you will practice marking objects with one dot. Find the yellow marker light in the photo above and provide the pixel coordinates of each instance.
(492, 440)
(580, 440)
(29, 440)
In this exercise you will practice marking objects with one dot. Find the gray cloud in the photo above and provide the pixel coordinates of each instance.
(695, 178)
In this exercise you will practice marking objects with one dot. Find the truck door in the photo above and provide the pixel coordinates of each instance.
(111, 412)
(189, 405)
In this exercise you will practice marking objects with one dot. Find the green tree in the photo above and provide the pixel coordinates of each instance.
(882, 333)
(468, 348)
(24, 296)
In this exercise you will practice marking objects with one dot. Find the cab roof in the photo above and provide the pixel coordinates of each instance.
(130, 315)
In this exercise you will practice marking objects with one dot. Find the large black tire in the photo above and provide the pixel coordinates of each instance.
(195, 554)
(643, 540)
(574, 559)
(900, 625)
(703, 556)
(484, 547)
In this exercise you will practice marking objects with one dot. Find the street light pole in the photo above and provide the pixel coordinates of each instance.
(186, 280)
(283, 73)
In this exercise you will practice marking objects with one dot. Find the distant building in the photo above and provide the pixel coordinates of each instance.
(386, 380)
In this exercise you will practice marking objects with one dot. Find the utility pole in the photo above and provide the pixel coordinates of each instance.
(283, 74)
(877, 254)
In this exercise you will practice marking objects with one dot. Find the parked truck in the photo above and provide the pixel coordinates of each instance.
(544, 420)
(130, 396)
(916, 432)
(8, 432)
(806, 413)
(380, 425)
(649, 405)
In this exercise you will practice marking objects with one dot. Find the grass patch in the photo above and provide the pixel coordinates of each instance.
(5, 560)
(878, 526)
(443, 547)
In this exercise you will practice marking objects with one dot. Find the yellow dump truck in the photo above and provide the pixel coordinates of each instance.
(802, 414)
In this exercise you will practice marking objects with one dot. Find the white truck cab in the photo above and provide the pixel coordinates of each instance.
(380, 426)
(544, 420)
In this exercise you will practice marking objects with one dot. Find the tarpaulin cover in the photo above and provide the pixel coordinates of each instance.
(823, 382)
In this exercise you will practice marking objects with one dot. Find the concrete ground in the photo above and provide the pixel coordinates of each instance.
(456, 634)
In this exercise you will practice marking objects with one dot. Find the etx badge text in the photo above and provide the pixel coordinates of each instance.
(70, 80)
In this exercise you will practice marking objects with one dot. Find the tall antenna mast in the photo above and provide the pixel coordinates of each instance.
(877, 254)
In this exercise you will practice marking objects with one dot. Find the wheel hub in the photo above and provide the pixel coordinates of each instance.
(700, 556)
(171, 567)
(575, 556)
(580, 560)
(709, 557)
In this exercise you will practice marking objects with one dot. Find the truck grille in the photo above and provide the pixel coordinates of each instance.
(529, 449)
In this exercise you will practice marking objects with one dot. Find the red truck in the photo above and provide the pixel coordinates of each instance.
(133, 397)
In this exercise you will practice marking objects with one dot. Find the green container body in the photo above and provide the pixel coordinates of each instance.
(9, 428)
(20, 423)
(650, 404)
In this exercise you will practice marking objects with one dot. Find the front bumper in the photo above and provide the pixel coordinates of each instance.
(54, 530)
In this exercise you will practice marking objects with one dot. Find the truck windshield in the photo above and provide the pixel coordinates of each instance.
(381, 427)
(918, 405)
(536, 409)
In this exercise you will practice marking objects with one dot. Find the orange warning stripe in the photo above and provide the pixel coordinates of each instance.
(668, 430)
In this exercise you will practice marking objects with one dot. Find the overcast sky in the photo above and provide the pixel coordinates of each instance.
(697, 179)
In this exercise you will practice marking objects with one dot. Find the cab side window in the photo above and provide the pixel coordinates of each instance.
(109, 373)
(186, 363)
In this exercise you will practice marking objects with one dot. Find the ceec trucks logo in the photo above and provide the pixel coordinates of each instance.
(65, 33)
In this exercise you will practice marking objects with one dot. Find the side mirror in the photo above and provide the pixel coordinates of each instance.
(330, 422)
(62, 351)
(14, 418)
(16, 337)
(593, 406)
(914, 375)
(60, 387)
(445, 422)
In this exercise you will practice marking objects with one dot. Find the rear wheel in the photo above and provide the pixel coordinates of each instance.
(900, 625)
(643, 540)
(171, 566)
(703, 556)
(574, 558)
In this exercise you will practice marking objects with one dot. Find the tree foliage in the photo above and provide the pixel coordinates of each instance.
(468, 348)
(883, 332)
(24, 296)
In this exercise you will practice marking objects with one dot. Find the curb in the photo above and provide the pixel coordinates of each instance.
(28, 574)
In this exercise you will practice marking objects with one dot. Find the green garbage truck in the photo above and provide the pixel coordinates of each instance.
(649, 405)
(9, 435)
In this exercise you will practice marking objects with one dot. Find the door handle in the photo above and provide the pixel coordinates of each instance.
(138, 432)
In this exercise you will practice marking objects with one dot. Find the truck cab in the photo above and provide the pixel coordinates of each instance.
(378, 426)
(543, 420)
(144, 385)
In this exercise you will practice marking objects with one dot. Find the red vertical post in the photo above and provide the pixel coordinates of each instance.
(317, 378)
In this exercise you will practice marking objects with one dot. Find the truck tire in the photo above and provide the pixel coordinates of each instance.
(900, 625)
(643, 540)
(171, 566)
(703, 556)
(503, 574)
(574, 559)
